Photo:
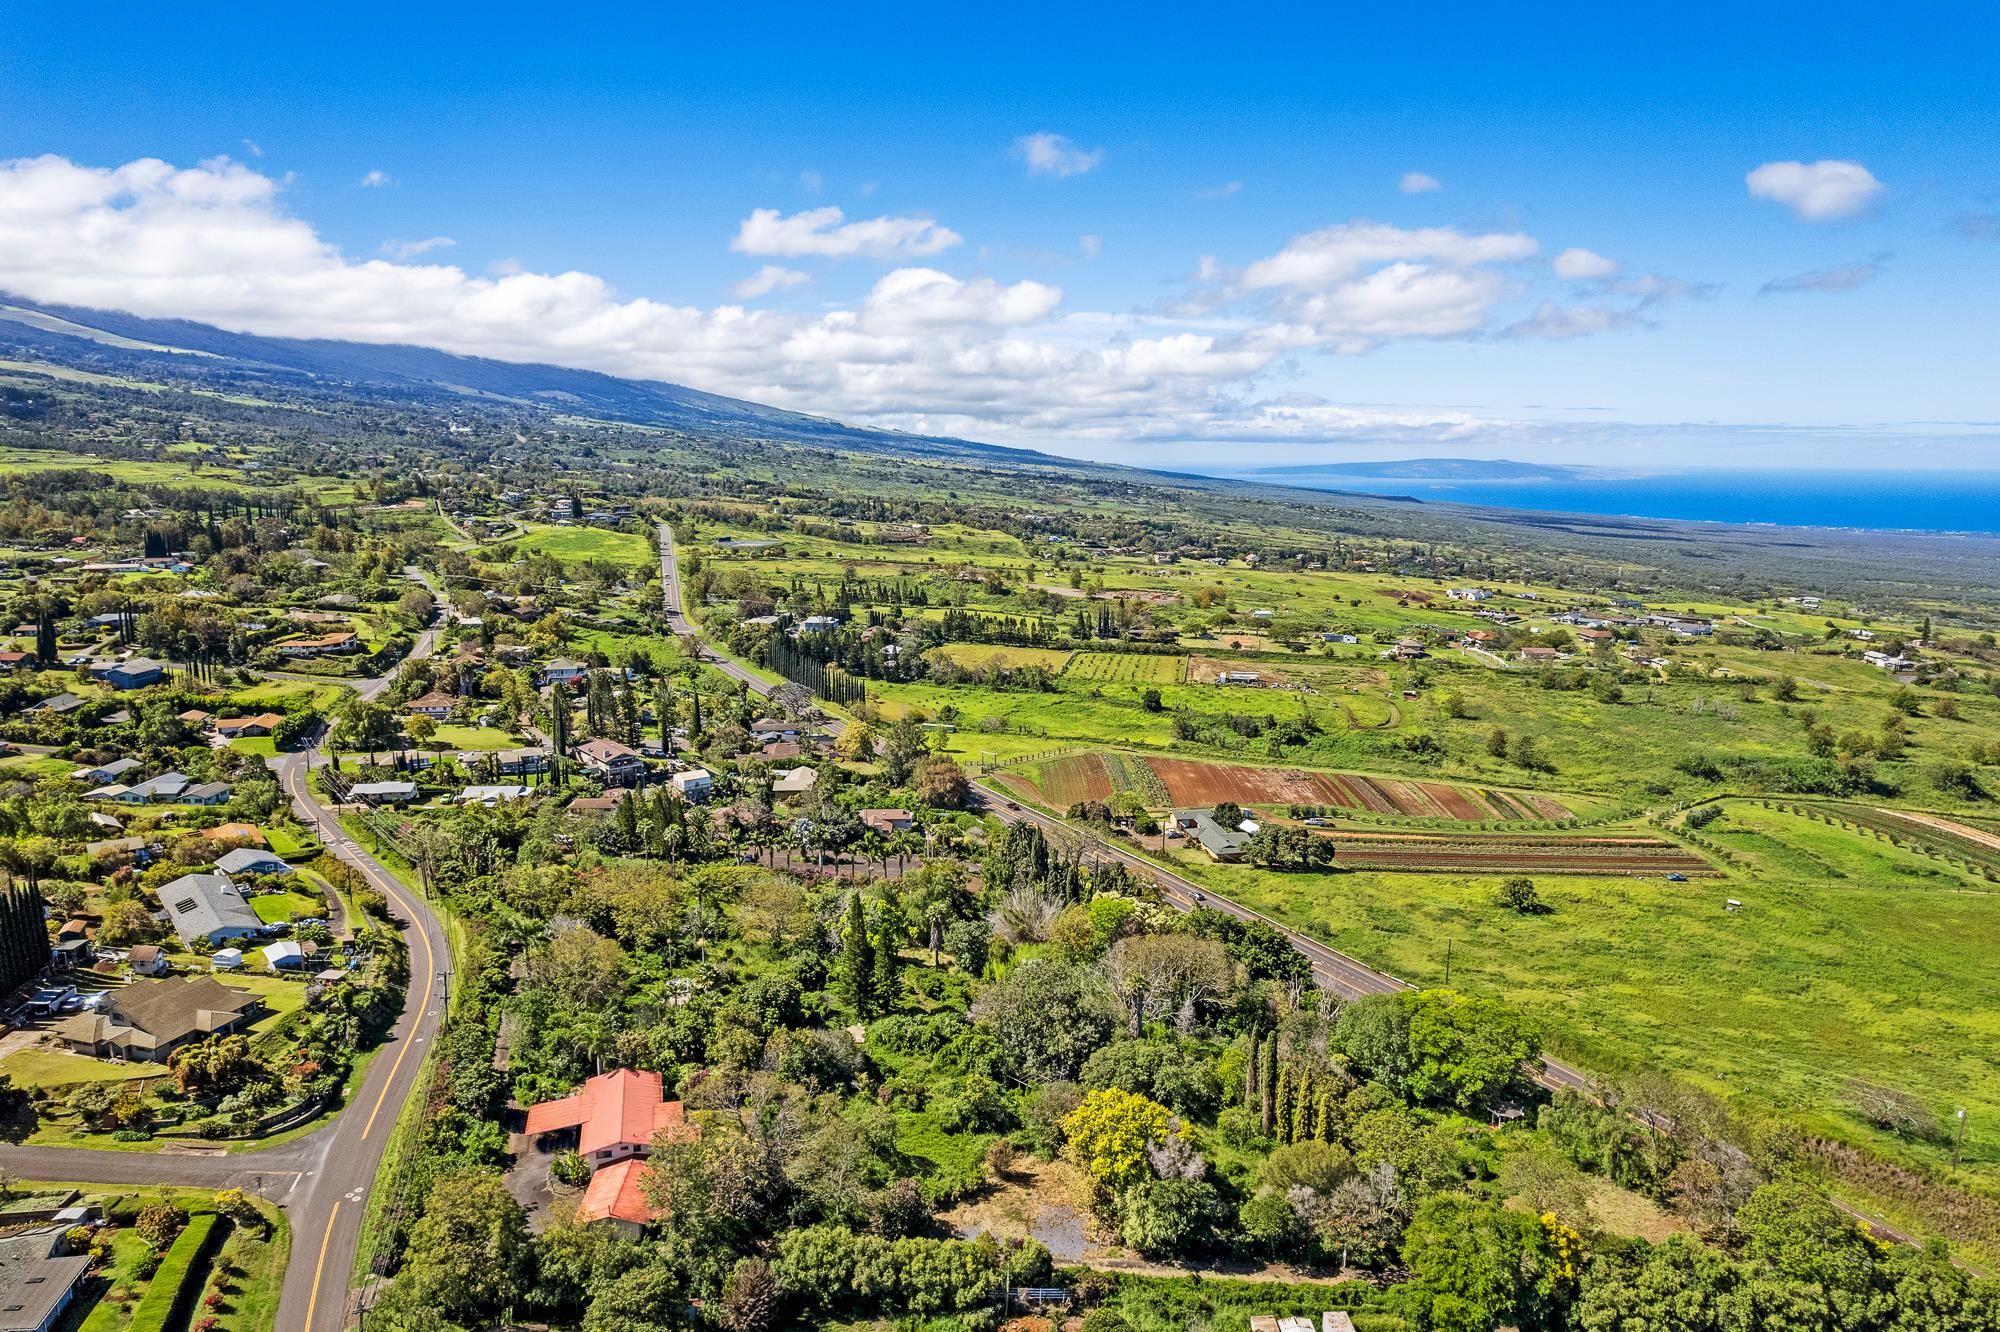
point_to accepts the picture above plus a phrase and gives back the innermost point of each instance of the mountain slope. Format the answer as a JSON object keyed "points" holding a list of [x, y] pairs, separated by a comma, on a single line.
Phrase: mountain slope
{"points": [[424, 374]]}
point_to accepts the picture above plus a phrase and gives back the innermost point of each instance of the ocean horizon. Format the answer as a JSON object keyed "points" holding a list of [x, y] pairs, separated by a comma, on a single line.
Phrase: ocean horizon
{"points": [[1925, 501]]}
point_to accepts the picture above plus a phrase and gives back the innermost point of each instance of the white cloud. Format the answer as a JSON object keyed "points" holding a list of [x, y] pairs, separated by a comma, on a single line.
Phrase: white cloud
{"points": [[251, 147], [1816, 191], [921, 350], [1335, 254], [825, 233], [1090, 245], [811, 181], [769, 278], [410, 249], [1419, 182], [1049, 154], [1226, 190], [1841, 277], [1577, 264], [376, 179]]}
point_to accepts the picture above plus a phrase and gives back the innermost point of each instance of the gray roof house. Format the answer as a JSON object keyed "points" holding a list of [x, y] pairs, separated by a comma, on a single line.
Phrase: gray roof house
{"points": [[1221, 843], [35, 1286], [208, 906], [252, 860], [165, 788], [105, 773]]}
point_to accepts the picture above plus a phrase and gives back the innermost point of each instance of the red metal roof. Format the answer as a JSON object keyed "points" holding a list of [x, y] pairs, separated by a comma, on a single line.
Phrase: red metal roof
{"points": [[616, 1194], [621, 1107]]}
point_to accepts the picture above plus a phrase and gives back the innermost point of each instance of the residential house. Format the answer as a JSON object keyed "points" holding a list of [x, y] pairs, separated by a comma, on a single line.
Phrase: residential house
{"points": [[436, 705], [511, 762], [37, 1286], [615, 1116], [1595, 637], [695, 785], [1333, 637], [1886, 661], [491, 795], [234, 728], [165, 789], [612, 763], [196, 718], [136, 673], [252, 860], [819, 624], [325, 645], [206, 793], [1865, 635], [1409, 649], [148, 960], [60, 704], [1221, 843], [886, 821], [105, 773], [616, 1198], [383, 793], [150, 1019], [561, 673], [1540, 655], [1481, 638], [13, 661], [771, 728], [1469, 593], [796, 782], [208, 906]]}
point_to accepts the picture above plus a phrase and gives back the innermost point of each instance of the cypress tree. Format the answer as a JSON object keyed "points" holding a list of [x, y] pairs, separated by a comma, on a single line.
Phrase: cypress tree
{"points": [[857, 960]]}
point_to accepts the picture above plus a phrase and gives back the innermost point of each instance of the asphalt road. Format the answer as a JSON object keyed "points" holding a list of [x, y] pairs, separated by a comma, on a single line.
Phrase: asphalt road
{"points": [[321, 1179]]}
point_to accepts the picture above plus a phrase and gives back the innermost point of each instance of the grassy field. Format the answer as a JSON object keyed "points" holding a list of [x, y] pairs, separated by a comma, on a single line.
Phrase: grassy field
{"points": [[1851, 958], [1008, 658], [586, 543]]}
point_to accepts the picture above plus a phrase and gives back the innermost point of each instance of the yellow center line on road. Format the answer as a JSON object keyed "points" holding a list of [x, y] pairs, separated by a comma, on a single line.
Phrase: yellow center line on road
{"points": [[430, 974], [319, 1268]]}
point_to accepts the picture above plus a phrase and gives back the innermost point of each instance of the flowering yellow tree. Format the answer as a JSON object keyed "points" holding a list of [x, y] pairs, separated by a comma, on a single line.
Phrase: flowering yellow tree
{"points": [[1106, 1136]]}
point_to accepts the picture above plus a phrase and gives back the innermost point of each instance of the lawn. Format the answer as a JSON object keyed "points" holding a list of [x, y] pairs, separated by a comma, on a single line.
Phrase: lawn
{"points": [[570, 544], [57, 1068], [1835, 968], [289, 842], [274, 907], [470, 738]]}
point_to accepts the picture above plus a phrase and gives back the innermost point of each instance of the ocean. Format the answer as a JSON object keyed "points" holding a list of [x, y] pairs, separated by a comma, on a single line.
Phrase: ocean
{"points": [[1918, 501]]}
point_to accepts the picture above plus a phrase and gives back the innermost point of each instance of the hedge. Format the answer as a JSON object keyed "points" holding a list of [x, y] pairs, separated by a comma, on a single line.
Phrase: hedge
{"points": [[168, 1298]]}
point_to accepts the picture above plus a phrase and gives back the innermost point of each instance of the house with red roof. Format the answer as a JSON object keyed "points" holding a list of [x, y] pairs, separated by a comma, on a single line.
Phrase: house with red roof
{"points": [[615, 1115], [617, 1198]]}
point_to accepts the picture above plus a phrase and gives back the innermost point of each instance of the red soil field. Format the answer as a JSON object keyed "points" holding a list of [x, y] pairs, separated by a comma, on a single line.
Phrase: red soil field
{"points": [[1192, 783]]}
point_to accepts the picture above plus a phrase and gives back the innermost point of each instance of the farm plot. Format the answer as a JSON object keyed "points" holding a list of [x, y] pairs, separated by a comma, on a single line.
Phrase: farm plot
{"points": [[1192, 783], [1941, 835], [1414, 854], [1126, 668], [1073, 778]]}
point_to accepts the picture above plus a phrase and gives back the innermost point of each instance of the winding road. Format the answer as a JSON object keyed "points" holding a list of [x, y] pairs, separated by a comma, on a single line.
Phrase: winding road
{"points": [[321, 1179]]}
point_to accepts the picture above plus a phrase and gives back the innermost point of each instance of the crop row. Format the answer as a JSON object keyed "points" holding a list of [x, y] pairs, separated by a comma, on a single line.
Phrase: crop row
{"points": [[1548, 858], [1127, 667], [1941, 837]]}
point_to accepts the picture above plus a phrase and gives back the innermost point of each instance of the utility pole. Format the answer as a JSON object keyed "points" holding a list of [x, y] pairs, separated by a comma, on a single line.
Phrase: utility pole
{"points": [[1447, 964], [1958, 1139]]}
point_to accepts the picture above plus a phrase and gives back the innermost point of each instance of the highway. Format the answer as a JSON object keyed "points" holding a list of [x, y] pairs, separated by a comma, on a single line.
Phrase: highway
{"points": [[321, 1179]]}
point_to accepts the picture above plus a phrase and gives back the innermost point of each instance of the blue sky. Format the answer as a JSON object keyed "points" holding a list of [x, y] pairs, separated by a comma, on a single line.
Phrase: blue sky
{"points": [[1217, 252]]}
